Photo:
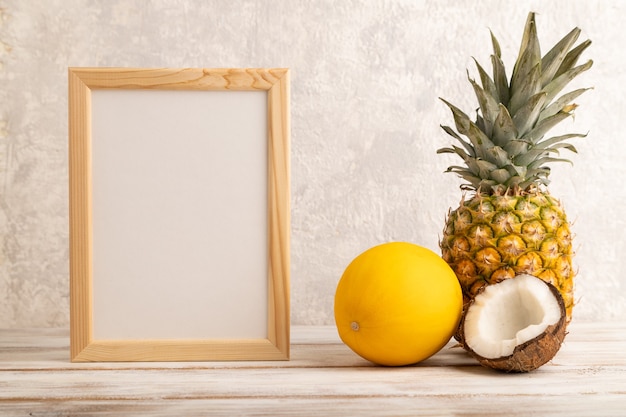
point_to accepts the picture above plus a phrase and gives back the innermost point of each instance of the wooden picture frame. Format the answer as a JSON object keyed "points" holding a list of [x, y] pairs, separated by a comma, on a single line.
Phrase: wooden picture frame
{"points": [[136, 292]]}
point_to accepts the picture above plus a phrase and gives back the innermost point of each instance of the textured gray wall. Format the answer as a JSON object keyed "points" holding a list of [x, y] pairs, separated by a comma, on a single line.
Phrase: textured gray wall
{"points": [[365, 125]]}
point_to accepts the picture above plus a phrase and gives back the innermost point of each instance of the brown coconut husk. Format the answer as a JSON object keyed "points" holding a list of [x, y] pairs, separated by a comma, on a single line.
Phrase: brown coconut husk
{"points": [[531, 354]]}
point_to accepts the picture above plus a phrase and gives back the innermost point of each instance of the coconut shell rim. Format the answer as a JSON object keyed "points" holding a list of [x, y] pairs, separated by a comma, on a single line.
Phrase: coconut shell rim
{"points": [[553, 335]]}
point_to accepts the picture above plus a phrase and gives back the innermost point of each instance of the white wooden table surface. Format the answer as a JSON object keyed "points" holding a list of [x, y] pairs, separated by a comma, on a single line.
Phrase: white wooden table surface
{"points": [[323, 378]]}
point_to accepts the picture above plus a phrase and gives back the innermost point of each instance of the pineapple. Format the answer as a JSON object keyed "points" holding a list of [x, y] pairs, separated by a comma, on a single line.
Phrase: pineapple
{"points": [[510, 224]]}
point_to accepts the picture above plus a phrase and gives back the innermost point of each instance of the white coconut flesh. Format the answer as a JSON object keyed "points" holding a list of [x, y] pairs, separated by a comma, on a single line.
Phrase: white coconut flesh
{"points": [[508, 314]]}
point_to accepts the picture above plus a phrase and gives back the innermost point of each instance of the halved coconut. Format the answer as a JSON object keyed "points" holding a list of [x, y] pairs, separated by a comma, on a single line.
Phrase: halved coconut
{"points": [[516, 325]]}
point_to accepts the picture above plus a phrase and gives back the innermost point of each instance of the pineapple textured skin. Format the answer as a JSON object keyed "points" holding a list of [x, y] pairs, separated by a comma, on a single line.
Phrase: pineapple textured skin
{"points": [[491, 238]]}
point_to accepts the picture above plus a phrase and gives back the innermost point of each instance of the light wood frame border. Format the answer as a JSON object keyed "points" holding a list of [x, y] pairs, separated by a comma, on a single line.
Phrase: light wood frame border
{"points": [[83, 347]]}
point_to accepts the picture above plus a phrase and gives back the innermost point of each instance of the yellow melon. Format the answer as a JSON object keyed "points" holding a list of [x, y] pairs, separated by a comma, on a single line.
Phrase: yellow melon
{"points": [[397, 304]]}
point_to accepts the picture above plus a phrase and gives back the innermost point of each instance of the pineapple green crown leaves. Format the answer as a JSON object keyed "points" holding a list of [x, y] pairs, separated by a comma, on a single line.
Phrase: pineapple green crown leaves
{"points": [[505, 149]]}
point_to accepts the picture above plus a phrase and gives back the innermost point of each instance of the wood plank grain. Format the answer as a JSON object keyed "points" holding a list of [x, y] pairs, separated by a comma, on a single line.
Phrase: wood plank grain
{"points": [[80, 212], [324, 377], [435, 386], [279, 209], [181, 78], [597, 405]]}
